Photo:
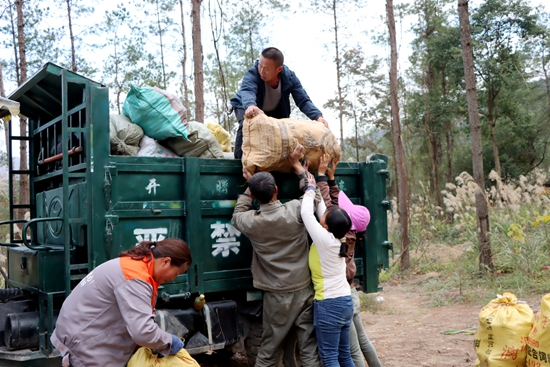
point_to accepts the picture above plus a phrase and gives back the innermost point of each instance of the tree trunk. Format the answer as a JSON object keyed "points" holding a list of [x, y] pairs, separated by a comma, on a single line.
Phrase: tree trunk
{"points": [[197, 60], [449, 141], [14, 35], [338, 77], [2, 90], [546, 78], [222, 118], [448, 137], [250, 43], [21, 41], [73, 53], [485, 255], [356, 134], [432, 151], [161, 48], [402, 178], [492, 125], [117, 83], [24, 195], [435, 170], [495, 148], [547, 81], [184, 64], [5, 122]]}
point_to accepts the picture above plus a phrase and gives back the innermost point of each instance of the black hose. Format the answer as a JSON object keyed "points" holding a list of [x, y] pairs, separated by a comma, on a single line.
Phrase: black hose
{"points": [[10, 293]]}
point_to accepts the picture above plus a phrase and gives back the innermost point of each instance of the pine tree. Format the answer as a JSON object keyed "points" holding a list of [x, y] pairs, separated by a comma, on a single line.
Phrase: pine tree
{"points": [[399, 150]]}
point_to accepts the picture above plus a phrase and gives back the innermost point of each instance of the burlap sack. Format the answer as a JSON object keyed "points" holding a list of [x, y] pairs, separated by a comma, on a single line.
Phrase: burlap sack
{"points": [[201, 143], [124, 136], [267, 142]]}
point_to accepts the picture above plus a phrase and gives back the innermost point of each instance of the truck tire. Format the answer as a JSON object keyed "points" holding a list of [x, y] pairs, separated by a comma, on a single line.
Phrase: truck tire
{"points": [[253, 341], [291, 352]]}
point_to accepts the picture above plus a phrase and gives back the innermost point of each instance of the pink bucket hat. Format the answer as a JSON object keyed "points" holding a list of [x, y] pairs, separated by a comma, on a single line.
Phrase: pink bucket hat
{"points": [[360, 216]]}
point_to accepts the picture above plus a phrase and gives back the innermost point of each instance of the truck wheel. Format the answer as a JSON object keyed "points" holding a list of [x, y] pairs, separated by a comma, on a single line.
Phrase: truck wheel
{"points": [[291, 352], [253, 341]]}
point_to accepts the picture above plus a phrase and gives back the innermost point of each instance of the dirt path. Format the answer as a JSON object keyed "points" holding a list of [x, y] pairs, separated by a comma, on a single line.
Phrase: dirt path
{"points": [[407, 330]]}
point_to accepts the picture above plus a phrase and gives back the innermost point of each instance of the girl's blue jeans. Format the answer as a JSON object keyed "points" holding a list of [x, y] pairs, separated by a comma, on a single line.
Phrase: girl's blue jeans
{"points": [[332, 318]]}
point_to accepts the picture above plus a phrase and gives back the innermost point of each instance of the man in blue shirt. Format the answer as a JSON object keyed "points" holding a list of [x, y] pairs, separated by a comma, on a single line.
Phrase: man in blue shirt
{"points": [[267, 87]]}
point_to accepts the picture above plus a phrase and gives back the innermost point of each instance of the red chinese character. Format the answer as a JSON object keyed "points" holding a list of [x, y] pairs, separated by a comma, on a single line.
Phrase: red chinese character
{"points": [[509, 353], [524, 342]]}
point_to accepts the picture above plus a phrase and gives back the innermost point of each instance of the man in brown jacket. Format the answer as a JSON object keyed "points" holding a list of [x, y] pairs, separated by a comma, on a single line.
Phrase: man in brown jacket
{"points": [[279, 268]]}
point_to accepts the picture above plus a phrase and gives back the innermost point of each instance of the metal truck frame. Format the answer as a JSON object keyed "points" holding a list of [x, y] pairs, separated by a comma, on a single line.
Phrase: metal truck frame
{"points": [[87, 205]]}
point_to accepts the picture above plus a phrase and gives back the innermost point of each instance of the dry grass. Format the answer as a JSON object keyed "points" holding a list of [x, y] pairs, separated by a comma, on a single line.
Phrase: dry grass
{"points": [[444, 240]]}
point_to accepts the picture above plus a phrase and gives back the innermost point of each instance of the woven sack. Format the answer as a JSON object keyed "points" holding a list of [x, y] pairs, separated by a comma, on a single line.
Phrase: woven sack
{"points": [[504, 325], [124, 136], [160, 114], [268, 141], [150, 148], [538, 343], [201, 143], [144, 357], [222, 135]]}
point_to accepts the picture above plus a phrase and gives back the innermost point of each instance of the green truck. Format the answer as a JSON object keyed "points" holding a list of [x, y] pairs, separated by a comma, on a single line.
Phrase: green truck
{"points": [[87, 206]]}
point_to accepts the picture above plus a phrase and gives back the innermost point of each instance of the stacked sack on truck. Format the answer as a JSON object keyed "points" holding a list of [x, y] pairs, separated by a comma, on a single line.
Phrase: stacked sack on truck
{"points": [[124, 136], [222, 135], [200, 143], [158, 118], [268, 141]]}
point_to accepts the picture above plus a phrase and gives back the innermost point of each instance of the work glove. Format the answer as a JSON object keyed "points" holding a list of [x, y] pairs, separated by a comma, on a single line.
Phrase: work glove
{"points": [[177, 345]]}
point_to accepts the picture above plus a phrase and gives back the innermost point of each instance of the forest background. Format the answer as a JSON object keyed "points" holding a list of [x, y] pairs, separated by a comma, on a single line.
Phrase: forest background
{"points": [[340, 50]]}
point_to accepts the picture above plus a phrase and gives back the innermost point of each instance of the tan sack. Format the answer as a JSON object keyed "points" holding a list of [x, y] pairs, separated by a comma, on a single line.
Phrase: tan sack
{"points": [[202, 143], [124, 136], [222, 135], [267, 142]]}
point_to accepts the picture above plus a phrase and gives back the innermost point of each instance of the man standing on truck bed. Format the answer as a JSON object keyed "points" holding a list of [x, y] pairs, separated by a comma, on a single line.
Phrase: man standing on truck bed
{"points": [[279, 268], [267, 87]]}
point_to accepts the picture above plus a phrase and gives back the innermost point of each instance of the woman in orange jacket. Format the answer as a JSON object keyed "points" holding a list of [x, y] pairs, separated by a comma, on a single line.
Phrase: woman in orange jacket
{"points": [[111, 311]]}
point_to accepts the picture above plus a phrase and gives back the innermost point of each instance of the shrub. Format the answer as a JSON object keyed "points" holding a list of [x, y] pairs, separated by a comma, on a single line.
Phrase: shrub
{"points": [[519, 235]]}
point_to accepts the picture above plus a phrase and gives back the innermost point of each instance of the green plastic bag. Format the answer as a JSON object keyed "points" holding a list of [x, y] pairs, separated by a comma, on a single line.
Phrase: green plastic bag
{"points": [[161, 115]]}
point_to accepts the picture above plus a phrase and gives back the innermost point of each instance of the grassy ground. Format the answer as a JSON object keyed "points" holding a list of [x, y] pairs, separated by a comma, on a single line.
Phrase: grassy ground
{"points": [[444, 242]]}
